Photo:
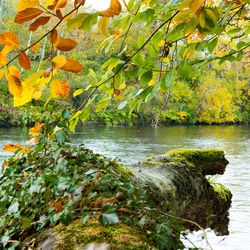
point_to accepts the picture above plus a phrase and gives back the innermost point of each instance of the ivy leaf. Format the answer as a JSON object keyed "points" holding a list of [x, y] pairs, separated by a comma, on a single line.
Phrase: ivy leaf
{"points": [[106, 218], [13, 208], [26, 223]]}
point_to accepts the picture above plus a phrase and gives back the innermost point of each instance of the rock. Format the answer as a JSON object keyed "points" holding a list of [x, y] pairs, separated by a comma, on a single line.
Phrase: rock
{"points": [[179, 186]]}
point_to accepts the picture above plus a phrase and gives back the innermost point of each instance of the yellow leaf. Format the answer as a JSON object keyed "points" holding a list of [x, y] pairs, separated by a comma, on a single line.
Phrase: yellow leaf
{"points": [[196, 5], [161, 43], [185, 4], [59, 88], [103, 24], [35, 130], [7, 49], [1, 73], [3, 59], [183, 16], [15, 85], [37, 93], [13, 70], [151, 83], [26, 96], [123, 86], [24, 4], [78, 92], [202, 20], [58, 61], [114, 9]]}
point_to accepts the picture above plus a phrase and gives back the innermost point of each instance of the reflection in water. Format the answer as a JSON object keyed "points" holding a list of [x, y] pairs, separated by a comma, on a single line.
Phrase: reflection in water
{"points": [[134, 144]]}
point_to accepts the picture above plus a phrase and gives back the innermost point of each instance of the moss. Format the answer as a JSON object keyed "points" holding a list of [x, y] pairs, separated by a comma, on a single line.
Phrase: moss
{"points": [[208, 161], [77, 235], [122, 170], [222, 191]]}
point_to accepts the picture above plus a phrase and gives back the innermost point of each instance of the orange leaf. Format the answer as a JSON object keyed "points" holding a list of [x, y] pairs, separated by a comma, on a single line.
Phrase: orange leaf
{"points": [[66, 44], [72, 66], [58, 206], [27, 15], [59, 14], [61, 4], [101, 202], [13, 70], [35, 130], [25, 174], [38, 22], [82, 2], [6, 163], [9, 39], [53, 36], [35, 47], [196, 6], [24, 4], [117, 92], [117, 33], [59, 88], [12, 147], [114, 9], [47, 73], [58, 61], [24, 60], [3, 59]]}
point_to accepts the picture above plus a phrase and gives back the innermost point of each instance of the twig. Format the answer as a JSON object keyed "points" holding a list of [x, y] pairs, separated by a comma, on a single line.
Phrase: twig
{"points": [[189, 221], [9, 241]]}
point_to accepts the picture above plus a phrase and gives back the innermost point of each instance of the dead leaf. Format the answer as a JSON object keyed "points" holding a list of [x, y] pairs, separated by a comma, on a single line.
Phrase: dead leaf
{"points": [[27, 15], [24, 61]]}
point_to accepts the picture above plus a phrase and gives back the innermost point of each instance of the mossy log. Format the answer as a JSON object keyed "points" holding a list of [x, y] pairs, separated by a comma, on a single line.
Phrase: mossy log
{"points": [[92, 235], [178, 183]]}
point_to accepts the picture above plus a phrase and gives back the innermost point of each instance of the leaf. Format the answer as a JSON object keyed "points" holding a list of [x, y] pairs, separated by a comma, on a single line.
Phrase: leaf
{"points": [[59, 14], [26, 223], [239, 55], [212, 45], [186, 70], [1, 73], [3, 59], [196, 5], [58, 61], [9, 39], [114, 9], [38, 22], [76, 22], [78, 92], [59, 88], [24, 60], [13, 208], [177, 32], [58, 206], [84, 116], [89, 21], [202, 20], [35, 130], [122, 105], [146, 77], [12, 147], [85, 218], [24, 4], [13, 70], [53, 36], [27, 15], [103, 24], [116, 92], [66, 44], [15, 86], [72, 66], [105, 219], [61, 4], [35, 47], [169, 79]]}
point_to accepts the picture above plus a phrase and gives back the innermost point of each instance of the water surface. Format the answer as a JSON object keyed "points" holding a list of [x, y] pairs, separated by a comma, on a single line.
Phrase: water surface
{"points": [[131, 145]]}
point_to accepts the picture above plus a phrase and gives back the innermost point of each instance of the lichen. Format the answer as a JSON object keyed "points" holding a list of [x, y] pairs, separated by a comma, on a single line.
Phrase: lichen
{"points": [[118, 236]]}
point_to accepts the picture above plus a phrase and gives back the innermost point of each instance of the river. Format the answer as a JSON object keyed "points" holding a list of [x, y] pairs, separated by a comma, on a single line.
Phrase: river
{"points": [[133, 144]]}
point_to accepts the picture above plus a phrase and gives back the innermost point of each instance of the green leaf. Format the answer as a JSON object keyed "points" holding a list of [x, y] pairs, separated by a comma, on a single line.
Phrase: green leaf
{"points": [[241, 45], [178, 32], [146, 92], [84, 116], [146, 77], [122, 105], [89, 21], [103, 103], [76, 21], [13, 208], [85, 218], [212, 45], [186, 70], [111, 63], [61, 137], [26, 223], [169, 79], [239, 55], [105, 219]]}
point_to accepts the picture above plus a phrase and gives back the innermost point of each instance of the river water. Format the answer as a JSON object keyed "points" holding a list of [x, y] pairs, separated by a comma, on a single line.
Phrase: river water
{"points": [[133, 144]]}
